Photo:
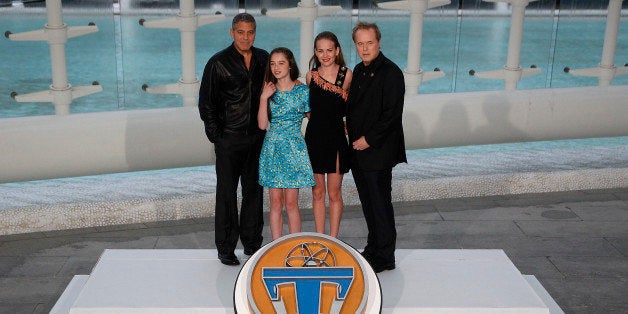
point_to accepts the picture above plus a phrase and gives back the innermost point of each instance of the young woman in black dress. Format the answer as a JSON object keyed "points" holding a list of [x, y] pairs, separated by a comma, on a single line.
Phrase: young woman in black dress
{"points": [[329, 80]]}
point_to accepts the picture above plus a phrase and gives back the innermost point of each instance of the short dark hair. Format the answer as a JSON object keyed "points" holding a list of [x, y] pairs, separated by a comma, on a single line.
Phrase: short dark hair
{"points": [[367, 26], [292, 63], [242, 17]]}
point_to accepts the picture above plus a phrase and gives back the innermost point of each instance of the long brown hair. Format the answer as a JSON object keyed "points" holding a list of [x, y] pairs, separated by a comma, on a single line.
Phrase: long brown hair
{"points": [[340, 60], [292, 63]]}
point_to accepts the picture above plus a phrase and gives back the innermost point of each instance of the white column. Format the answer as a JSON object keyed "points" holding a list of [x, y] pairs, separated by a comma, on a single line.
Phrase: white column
{"points": [[413, 74], [307, 11], [512, 72], [309, 14], [56, 33], [187, 21], [188, 53], [514, 44], [606, 70], [610, 42]]}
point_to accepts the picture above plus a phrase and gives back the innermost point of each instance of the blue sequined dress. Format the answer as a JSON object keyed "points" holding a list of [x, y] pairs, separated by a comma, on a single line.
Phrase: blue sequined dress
{"points": [[284, 161]]}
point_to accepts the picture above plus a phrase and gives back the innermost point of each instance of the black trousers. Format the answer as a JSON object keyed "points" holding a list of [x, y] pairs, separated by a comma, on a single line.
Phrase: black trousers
{"points": [[374, 190], [237, 160]]}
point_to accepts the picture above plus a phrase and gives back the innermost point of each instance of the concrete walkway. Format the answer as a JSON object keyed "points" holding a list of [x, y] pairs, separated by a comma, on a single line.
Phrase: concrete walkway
{"points": [[575, 243]]}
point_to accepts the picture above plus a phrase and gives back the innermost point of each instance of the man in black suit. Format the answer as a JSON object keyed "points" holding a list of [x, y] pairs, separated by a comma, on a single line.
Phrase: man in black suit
{"points": [[374, 111]]}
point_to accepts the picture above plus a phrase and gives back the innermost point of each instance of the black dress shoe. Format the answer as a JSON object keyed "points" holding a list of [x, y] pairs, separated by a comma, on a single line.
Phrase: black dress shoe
{"points": [[367, 256], [250, 251], [378, 268], [229, 259]]}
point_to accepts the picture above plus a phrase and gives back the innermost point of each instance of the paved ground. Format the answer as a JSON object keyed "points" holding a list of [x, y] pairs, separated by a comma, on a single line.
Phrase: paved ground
{"points": [[575, 243]]}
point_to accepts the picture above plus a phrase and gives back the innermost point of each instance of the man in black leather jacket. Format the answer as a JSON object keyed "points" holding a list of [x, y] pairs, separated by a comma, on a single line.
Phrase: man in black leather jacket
{"points": [[228, 104]]}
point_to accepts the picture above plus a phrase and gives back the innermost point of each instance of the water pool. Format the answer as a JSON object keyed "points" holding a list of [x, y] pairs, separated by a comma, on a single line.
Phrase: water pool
{"points": [[124, 55]]}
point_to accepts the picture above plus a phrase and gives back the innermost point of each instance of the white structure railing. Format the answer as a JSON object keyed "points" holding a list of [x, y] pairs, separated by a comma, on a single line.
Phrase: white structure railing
{"points": [[56, 33], [187, 21], [606, 70], [413, 74], [307, 11], [512, 72]]}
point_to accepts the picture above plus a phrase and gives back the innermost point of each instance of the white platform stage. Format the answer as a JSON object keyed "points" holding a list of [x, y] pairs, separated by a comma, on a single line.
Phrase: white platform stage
{"points": [[194, 281]]}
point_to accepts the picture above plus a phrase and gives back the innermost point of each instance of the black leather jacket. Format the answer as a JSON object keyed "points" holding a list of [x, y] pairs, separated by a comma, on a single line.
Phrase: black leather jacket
{"points": [[228, 98]]}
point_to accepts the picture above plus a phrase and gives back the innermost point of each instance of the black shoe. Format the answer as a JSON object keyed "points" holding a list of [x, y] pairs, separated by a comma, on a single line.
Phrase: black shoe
{"points": [[250, 251], [377, 267], [381, 267], [367, 256], [229, 259]]}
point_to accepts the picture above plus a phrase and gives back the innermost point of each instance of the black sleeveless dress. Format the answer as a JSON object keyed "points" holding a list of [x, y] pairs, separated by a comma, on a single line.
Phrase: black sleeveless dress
{"points": [[325, 133]]}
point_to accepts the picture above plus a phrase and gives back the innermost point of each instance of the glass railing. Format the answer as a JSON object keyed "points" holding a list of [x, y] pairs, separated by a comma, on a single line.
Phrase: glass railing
{"points": [[458, 39]]}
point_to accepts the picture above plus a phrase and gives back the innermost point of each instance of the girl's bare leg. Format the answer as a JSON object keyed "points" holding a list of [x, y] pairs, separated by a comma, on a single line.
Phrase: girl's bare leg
{"points": [[275, 216], [336, 204], [318, 202], [292, 209]]}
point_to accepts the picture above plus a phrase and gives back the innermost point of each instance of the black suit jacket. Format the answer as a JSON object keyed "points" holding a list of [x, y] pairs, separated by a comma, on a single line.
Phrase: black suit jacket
{"points": [[374, 110]]}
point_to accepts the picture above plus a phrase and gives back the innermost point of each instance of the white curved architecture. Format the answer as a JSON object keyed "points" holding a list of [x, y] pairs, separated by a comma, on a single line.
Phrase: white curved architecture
{"points": [[119, 141]]}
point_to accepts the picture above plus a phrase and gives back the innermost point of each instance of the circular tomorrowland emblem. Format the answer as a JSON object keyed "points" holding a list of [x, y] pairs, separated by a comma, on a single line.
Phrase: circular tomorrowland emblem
{"points": [[307, 273]]}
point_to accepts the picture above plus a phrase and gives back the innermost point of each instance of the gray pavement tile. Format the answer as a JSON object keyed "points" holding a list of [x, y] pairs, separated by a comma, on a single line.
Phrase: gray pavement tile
{"points": [[150, 232], [349, 213], [586, 266], [427, 212], [17, 308], [181, 222], [409, 243], [487, 228], [32, 246], [78, 265], [21, 236], [622, 195], [198, 240], [588, 295], [537, 246], [538, 266], [609, 309], [555, 198], [74, 246], [355, 242], [574, 228], [356, 227], [17, 290], [600, 211], [69, 232], [121, 227], [530, 199], [44, 308], [541, 212], [621, 244], [36, 266], [7, 263], [204, 220], [583, 196], [458, 204], [605, 191]]}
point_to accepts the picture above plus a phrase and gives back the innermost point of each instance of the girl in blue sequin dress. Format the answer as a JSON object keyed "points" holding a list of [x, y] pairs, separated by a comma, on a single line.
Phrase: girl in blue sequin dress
{"points": [[284, 165]]}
